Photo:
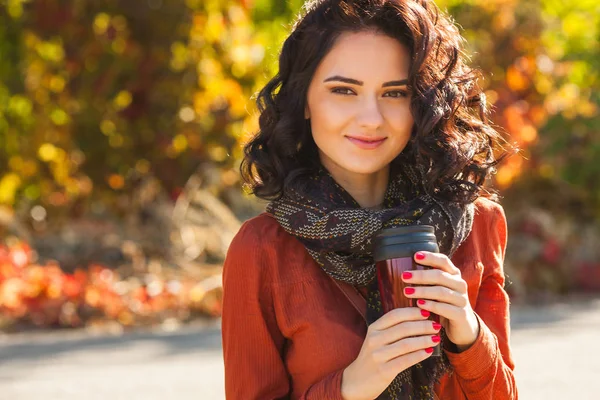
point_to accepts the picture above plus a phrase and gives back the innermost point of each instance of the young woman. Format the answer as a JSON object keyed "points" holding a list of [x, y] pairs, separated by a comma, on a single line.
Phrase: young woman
{"points": [[369, 124]]}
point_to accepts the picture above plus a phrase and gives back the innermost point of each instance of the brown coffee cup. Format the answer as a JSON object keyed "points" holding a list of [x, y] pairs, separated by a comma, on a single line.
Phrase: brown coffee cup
{"points": [[394, 251]]}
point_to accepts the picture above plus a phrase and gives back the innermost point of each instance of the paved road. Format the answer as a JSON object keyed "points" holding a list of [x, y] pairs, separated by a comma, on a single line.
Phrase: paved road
{"points": [[556, 352]]}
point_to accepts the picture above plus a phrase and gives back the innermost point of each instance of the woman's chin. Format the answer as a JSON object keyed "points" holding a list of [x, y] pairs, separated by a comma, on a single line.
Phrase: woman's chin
{"points": [[363, 169]]}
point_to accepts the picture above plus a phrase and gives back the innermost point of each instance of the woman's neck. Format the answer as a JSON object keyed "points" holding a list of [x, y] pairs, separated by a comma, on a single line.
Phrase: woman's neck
{"points": [[367, 189]]}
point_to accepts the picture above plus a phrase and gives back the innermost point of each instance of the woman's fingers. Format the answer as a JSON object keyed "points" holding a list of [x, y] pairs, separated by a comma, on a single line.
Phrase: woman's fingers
{"points": [[448, 311], [436, 260], [405, 346], [406, 330], [435, 277], [445, 283], [400, 364], [440, 293], [396, 316]]}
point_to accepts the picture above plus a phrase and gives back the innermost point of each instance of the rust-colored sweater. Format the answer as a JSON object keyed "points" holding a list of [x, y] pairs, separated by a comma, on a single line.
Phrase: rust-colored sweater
{"points": [[289, 331]]}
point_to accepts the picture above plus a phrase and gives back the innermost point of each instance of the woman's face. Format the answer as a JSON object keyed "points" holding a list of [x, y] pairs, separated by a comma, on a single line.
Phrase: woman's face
{"points": [[359, 92]]}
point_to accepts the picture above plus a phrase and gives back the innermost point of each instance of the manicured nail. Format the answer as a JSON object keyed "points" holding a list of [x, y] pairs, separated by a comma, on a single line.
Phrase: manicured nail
{"points": [[426, 314], [406, 275], [436, 326], [421, 302], [435, 339], [429, 350], [420, 256], [409, 290]]}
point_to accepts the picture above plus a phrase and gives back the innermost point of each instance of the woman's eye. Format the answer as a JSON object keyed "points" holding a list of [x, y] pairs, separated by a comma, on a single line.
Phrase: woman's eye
{"points": [[348, 91], [342, 90], [397, 93]]}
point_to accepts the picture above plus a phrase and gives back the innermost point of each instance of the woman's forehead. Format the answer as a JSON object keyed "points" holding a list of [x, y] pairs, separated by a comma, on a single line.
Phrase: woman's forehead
{"points": [[366, 56]]}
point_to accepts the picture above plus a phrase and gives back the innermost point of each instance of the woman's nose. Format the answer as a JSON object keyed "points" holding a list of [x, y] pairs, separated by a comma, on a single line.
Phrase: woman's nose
{"points": [[369, 115]]}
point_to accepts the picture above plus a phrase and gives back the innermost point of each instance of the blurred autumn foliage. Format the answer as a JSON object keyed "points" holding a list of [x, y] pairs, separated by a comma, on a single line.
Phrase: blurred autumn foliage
{"points": [[541, 60], [46, 296], [96, 93], [96, 97]]}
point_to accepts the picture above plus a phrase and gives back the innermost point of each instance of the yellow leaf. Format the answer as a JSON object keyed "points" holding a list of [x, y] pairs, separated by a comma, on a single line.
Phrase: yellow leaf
{"points": [[15, 9], [180, 143], [51, 51], [218, 153], [72, 186], [9, 184], [215, 27], [59, 117], [107, 127], [123, 99], [60, 172], [101, 23], [119, 45], [47, 152], [57, 84], [20, 106]]}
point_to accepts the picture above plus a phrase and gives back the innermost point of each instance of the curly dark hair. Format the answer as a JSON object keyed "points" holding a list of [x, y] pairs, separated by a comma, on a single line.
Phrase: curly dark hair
{"points": [[451, 137]]}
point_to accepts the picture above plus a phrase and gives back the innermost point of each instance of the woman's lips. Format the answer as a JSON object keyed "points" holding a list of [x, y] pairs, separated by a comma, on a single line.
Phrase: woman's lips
{"points": [[366, 144]]}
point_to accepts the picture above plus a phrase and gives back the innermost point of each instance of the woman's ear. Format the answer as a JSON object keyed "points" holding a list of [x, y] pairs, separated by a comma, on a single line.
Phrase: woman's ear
{"points": [[306, 112]]}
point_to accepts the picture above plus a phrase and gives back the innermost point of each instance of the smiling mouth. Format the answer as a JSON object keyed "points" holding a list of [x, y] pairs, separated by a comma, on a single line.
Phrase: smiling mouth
{"points": [[367, 140], [366, 143]]}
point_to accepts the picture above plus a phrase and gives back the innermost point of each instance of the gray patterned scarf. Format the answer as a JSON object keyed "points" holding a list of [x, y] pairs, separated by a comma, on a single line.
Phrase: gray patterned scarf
{"points": [[337, 233]]}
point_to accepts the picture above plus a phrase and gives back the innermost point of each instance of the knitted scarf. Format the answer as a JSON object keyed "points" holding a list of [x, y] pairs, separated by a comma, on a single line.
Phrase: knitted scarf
{"points": [[337, 233]]}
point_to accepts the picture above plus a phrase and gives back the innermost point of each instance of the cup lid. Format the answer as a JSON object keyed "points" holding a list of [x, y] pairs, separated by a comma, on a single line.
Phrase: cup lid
{"points": [[404, 234]]}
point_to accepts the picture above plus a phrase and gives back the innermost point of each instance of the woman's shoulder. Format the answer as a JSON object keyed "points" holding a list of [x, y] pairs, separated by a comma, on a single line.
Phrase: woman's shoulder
{"points": [[251, 249], [488, 234], [488, 212], [259, 231], [263, 240], [262, 248]]}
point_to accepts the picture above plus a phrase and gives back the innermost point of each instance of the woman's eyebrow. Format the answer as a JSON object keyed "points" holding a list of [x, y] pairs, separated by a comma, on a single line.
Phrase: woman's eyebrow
{"points": [[351, 81]]}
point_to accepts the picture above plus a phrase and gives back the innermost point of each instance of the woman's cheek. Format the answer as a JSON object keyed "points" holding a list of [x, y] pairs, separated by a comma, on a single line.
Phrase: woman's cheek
{"points": [[403, 125], [333, 115]]}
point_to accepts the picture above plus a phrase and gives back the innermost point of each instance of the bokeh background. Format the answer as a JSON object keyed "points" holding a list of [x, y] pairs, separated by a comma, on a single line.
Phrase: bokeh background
{"points": [[121, 125]]}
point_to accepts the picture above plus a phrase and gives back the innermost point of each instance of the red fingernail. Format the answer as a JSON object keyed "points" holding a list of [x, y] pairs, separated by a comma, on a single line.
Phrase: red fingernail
{"points": [[421, 302], [420, 256], [425, 313], [437, 326], [429, 350], [409, 290], [435, 339], [406, 275]]}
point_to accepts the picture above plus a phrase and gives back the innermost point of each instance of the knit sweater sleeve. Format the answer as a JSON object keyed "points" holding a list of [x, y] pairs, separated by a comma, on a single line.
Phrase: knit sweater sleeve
{"points": [[485, 370], [253, 345]]}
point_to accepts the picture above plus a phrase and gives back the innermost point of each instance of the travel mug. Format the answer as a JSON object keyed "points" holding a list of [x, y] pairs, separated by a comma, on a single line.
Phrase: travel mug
{"points": [[393, 251]]}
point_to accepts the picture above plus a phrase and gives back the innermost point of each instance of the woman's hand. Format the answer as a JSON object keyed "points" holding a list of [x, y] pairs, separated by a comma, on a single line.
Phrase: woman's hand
{"points": [[447, 297], [398, 340]]}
